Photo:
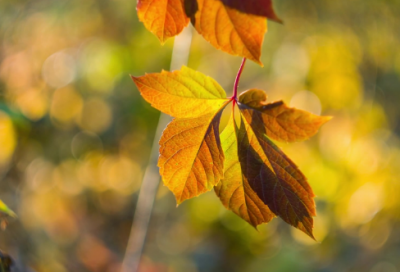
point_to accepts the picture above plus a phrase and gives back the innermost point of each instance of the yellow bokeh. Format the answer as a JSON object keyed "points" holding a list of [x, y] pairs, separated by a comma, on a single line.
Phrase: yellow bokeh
{"points": [[96, 115], [8, 139], [66, 106]]}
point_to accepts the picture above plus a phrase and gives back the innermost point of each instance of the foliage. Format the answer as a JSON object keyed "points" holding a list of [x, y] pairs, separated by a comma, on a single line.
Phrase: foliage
{"points": [[236, 27], [252, 176], [73, 132]]}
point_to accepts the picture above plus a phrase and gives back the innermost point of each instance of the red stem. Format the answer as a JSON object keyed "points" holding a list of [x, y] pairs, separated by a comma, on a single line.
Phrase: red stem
{"points": [[235, 87]]}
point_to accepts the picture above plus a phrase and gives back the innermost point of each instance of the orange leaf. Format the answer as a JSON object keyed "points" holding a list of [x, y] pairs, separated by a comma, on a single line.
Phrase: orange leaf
{"points": [[230, 30], [164, 18], [277, 120], [191, 158], [183, 94], [275, 178], [234, 190]]}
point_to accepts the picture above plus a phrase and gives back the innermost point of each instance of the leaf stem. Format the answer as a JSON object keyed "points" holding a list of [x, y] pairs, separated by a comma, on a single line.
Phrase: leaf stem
{"points": [[235, 87]]}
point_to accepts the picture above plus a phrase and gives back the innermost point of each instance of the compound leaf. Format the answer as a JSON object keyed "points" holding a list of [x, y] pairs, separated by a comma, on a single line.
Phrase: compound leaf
{"points": [[277, 120], [164, 18]]}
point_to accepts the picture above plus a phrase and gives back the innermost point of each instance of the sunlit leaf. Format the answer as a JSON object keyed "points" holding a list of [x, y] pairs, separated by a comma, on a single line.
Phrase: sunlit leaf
{"points": [[230, 30], [191, 158], [183, 94], [164, 18], [277, 120], [276, 179], [234, 190]]}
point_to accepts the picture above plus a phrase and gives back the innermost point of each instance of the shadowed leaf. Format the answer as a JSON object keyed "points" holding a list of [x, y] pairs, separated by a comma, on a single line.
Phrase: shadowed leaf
{"points": [[230, 30], [276, 179], [277, 120], [164, 18], [182, 94], [256, 7], [234, 190], [191, 157]]}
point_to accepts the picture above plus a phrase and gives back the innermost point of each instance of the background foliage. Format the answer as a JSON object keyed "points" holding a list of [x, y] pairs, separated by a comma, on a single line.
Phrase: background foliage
{"points": [[75, 138]]}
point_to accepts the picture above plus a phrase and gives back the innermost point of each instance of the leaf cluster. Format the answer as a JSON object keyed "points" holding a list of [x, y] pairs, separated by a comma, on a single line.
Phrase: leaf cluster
{"points": [[236, 27], [249, 173]]}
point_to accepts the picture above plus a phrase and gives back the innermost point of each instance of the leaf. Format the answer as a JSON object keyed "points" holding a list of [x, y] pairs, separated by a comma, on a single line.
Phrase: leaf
{"points": [[256, 7], [191, 157], [164, 18], [230, 30], [276, 179], [234, 190], [5, 210], [277, 120], [182, 94]]}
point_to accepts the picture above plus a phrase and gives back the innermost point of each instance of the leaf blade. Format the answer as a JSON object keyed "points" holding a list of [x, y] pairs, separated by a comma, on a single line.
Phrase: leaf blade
{"points": [[234, 189], [277, 120], [256, 7], [183, 94], [164, 18], [276, 179], [191, 156], [230, 30]]}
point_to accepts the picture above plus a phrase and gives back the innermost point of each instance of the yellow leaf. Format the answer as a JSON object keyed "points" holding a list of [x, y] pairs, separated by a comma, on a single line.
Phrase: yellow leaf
{"points": [[191, 157], [182, 94]]}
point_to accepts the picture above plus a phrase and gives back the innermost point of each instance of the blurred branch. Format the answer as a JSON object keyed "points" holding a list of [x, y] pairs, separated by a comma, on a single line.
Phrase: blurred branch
{"points": [[151, 177]]}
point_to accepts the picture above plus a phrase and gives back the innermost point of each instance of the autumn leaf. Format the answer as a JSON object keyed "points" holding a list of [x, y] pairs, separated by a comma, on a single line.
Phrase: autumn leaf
{"points": [[234, 26], [262, 8], [276, 120], [183, 94], [234, 190], [276, 179], [191, 158], [231, 30], [164, 18]]}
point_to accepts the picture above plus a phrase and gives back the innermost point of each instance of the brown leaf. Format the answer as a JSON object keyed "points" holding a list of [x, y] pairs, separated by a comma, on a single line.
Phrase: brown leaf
{"points": [[234, 190], [256, 7], [191, 157], [276, 179], [277, 120], [164, 18]]}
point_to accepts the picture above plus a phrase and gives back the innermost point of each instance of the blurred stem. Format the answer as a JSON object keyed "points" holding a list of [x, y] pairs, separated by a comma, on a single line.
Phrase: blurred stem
{"points": [[151, 179]]}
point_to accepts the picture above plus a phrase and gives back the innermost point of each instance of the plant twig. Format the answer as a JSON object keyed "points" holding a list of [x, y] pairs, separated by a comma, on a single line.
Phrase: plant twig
{"points": [[151, 177]]}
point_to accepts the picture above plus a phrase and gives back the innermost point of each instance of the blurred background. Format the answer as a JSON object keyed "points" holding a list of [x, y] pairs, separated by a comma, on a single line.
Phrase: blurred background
{"points": [[76, 137]]}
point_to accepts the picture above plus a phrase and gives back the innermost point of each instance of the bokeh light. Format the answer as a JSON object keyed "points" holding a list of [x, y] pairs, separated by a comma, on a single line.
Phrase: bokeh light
{"points": [[76, 137]]}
